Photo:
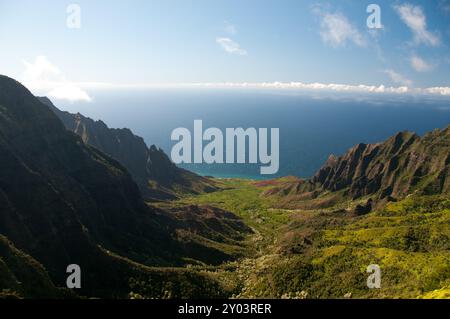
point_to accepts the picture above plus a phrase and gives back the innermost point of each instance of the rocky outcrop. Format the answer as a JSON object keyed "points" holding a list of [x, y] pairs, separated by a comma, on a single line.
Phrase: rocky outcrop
{"points": [[403, 164]]}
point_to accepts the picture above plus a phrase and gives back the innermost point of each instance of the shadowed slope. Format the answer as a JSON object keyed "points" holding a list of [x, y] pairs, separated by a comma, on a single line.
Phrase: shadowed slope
{"points": [[157, 177]]}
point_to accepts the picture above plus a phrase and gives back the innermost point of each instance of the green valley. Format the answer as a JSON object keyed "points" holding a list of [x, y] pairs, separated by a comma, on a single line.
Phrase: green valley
{"points": [[324, 253]]}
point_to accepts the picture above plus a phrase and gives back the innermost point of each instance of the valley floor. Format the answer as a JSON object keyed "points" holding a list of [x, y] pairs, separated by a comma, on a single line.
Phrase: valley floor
{"points": [[324, 253]]}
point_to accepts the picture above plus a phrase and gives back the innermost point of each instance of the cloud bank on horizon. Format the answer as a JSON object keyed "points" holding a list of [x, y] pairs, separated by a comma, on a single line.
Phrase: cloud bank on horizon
{"points": [[44, 78]]}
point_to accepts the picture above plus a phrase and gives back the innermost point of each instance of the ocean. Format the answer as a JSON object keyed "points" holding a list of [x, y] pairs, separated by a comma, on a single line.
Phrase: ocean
{"points": [[312, 126]]}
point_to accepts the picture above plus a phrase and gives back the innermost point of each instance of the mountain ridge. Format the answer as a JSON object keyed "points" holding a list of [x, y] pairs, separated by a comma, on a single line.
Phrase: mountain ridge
{"points": [[59, 198], [393, 167], [157, 176], [401, 165]]}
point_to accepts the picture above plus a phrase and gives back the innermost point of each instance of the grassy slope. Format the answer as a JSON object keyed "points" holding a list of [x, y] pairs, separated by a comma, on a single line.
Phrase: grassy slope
{"points": [[243, 198], [324, 254]]}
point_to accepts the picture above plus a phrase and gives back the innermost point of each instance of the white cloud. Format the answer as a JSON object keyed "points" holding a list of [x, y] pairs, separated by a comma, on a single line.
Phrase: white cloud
{"points": [[70, 93], [419, 64], [336, 30], [441, 90], [230, 46], [330, 87], [296, 86], [416, 20], [40, 70], [44, 78], [398, 78], [361, 88]]}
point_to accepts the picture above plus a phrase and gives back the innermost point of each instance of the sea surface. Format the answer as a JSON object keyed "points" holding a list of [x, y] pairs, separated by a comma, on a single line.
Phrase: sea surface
{"points": [[311, 126]]}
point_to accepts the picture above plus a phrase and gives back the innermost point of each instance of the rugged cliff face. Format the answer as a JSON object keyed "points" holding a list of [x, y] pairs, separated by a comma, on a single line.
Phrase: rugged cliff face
{"points": [[61, 200], [403, 164], [157, 177]]}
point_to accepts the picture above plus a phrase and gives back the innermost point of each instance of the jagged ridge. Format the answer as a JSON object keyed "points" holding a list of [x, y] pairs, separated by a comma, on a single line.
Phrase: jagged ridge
{"points": [[153, 171], [399, 166]]}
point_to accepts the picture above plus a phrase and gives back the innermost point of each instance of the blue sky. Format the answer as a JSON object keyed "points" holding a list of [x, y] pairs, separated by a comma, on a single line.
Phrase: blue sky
{"points": [[204, 41]]}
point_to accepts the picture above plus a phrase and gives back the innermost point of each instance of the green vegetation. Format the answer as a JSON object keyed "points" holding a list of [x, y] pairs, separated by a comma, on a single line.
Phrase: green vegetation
{"points": [[244, 199], [325, 253], [23, 276]]}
